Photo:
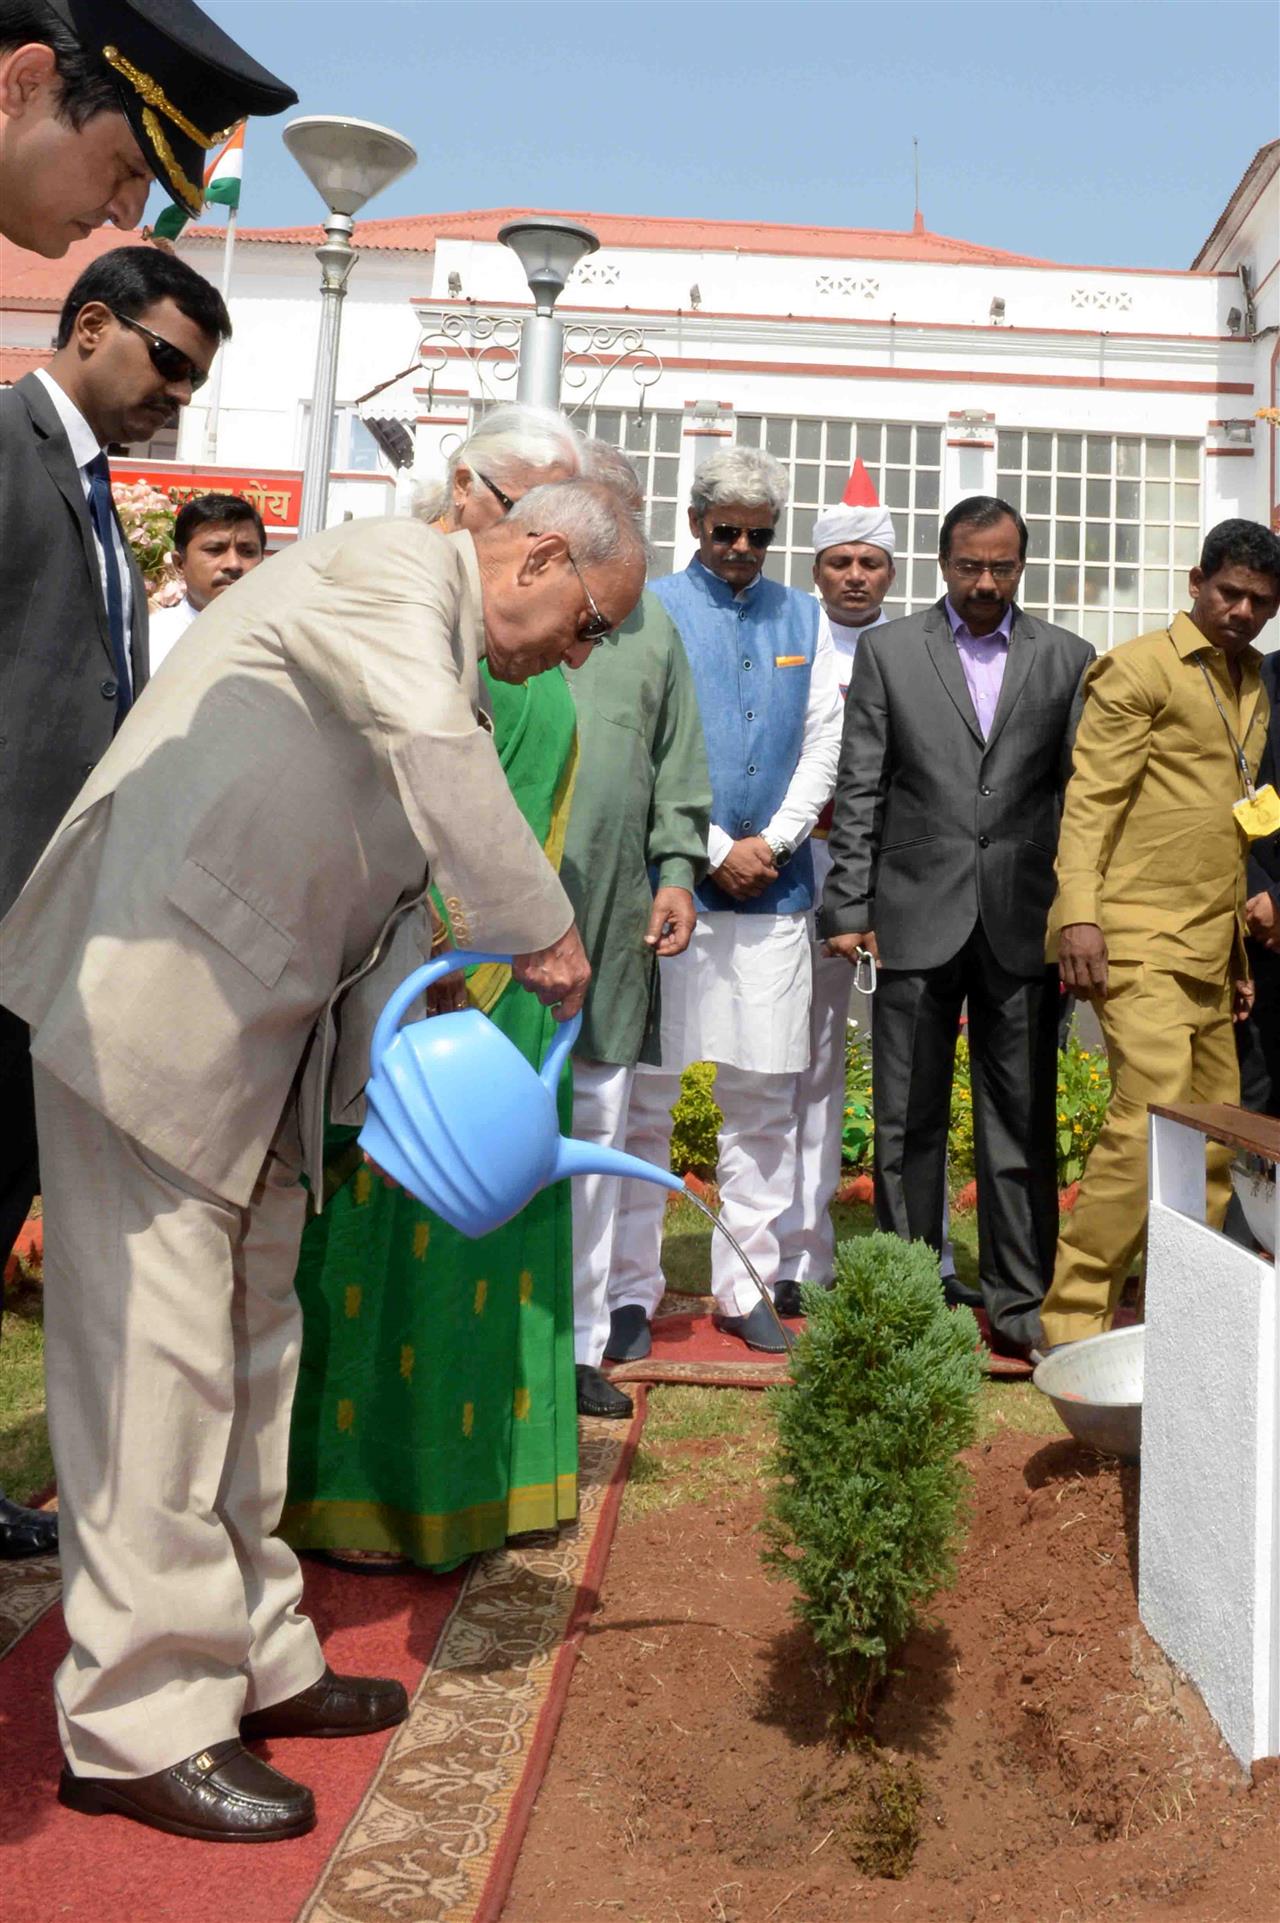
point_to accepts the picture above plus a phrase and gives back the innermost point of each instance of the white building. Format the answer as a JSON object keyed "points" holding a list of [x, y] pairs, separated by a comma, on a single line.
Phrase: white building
{"points": [[1115, 406]]}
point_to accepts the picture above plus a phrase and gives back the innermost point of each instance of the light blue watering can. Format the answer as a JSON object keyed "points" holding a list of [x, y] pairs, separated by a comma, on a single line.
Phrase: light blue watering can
{"points": [[460, 1119]]}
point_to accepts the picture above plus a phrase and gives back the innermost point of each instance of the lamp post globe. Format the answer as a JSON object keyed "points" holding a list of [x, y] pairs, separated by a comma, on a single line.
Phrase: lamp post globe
{"points": [[347, 162], [548, 249]]}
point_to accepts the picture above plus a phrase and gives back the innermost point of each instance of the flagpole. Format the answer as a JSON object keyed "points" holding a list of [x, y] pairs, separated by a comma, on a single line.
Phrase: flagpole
{"points": [[215, 392]]}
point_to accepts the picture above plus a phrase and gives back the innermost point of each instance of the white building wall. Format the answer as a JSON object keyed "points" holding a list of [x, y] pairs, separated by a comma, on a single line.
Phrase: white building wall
{"points": [[1077, 350]]}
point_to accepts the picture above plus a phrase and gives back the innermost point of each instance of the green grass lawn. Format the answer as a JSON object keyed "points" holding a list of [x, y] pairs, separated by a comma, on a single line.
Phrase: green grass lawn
{"points": [[25, 1463], [669, 1468]]}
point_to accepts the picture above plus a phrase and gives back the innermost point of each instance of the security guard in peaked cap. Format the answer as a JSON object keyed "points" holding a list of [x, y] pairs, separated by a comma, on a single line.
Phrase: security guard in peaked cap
{"points": [[184, 86]]}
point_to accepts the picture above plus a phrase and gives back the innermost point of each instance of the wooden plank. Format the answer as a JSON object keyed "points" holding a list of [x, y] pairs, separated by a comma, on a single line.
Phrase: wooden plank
{"points": [[1223, 1122]]}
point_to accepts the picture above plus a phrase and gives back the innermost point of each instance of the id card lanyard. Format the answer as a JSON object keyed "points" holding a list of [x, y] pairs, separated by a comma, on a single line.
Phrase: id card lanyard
{"points": [[1258, 813], [1241, 763]]}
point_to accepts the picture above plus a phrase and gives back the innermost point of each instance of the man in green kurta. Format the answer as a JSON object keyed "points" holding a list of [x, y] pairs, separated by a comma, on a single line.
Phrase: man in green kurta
{"points": [[635, 847]]}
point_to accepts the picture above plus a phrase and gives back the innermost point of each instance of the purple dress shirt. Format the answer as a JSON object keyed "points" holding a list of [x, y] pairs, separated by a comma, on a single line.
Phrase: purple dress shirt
{"points": [[983, 658]]}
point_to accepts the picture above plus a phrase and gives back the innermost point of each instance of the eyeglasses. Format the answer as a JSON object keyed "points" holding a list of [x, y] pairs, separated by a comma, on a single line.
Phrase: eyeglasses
{"points": [[974, 570], [168, 360], [599, 627], [759, 537], [504, 501]]}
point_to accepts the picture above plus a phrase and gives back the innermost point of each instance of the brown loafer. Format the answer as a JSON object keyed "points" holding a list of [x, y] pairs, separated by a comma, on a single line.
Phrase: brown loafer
{"points": [[333, 1706], [220, 1795]]}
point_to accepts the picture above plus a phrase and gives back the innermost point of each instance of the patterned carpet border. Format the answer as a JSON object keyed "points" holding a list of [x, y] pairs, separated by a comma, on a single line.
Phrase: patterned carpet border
{"points": [[437, 1835], [27, 1591]]}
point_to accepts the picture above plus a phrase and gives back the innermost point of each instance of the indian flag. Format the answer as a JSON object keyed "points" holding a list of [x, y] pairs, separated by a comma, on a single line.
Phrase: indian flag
{"points": [[221, 185]]}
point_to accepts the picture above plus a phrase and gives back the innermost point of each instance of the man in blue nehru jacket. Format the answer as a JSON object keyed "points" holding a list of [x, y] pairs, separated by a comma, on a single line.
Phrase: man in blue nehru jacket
{"points": [[769, 695]]}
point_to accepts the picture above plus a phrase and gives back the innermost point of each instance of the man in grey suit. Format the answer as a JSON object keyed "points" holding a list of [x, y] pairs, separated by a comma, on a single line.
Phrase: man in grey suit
{"points": [[956, 752], [136, 336]]}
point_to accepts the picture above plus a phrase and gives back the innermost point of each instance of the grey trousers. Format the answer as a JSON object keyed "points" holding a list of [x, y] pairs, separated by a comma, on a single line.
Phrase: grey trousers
{"points": [[1013, 1056], [171, 1339]]}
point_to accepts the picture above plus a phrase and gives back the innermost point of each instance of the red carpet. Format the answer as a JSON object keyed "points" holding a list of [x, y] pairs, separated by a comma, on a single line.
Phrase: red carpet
{"points": [[106, 1870], [688, 1348]]}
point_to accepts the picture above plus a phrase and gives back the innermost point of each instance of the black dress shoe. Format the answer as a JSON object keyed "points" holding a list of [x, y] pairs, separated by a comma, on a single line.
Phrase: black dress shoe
{"points": [[958, 1295], [333, 1706], [629, 1337], [786, 1298], [758, 1330], [219, 1795], [597, 1395], [26, 1532]]}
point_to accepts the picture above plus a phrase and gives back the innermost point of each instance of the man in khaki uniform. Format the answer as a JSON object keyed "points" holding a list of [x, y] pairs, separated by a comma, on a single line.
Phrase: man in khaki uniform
{"points": [[1150, 903], [188, 954]]}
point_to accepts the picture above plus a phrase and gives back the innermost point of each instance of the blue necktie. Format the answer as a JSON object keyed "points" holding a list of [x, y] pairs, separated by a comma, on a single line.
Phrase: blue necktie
{"points": [[102, 514]]}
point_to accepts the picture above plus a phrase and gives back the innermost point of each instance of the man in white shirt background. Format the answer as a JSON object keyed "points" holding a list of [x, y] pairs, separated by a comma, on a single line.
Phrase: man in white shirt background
{"points": [[217, 538], [853, 570], [137, 334]]}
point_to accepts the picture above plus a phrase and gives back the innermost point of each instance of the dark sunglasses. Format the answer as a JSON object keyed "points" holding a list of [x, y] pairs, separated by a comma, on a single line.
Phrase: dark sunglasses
{"points": [[168, 360], [504, 501], [758, 537]]}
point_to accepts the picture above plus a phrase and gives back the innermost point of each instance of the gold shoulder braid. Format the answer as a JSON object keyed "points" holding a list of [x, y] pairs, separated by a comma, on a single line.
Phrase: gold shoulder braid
{"points": [[154, 95], [150, 91], [193, 197]]}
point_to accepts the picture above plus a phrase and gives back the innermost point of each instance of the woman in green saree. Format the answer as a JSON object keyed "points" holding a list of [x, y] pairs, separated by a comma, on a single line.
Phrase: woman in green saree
{"points": [[436, 1409]]}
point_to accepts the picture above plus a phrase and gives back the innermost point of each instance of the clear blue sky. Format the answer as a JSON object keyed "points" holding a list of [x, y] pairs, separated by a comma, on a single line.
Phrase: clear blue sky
{"points": [[1110, 133]]}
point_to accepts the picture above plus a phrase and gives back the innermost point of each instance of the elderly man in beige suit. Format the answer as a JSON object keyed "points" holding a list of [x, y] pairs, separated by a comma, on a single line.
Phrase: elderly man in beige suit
{"points": [[191, 954]]}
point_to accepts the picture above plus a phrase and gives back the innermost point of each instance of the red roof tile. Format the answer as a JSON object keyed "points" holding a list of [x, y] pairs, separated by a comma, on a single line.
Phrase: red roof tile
{"points": [[17, 361], [418, 233]]}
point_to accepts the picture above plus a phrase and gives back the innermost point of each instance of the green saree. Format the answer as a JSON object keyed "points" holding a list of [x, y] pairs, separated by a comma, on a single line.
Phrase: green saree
{"points": [[436, 1410]]}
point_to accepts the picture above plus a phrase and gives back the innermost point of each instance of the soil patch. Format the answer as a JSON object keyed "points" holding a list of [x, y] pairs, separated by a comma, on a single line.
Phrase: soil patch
{"points": [[1051, 1764]]}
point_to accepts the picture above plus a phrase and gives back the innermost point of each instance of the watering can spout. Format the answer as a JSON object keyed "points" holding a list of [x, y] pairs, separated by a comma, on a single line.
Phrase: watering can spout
{"points": [[591, 1158]]}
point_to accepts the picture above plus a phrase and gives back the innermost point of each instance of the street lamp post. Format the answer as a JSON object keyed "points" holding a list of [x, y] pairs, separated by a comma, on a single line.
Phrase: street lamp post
{"points": [[548, 250], [347, 162]]}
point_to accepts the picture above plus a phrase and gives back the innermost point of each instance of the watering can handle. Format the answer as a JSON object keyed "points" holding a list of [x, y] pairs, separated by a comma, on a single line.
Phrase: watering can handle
{"points": [[434, 971]]}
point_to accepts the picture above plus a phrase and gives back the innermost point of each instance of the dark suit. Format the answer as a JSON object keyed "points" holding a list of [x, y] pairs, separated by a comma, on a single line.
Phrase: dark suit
{"points": [[1258, 1039], [944, 844], [57, 701]]}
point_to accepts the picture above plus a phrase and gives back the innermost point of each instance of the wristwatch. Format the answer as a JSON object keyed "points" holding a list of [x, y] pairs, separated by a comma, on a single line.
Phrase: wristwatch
{"points": [[781, 850]]}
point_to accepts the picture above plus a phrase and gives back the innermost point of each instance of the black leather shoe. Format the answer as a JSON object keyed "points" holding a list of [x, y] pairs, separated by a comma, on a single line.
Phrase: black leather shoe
{"points": [[629, 1337], [958, 1295], [597, 1395], [333, 1706], [758, 1330], [786, 1298], [219, 1795], [26, 1532]]}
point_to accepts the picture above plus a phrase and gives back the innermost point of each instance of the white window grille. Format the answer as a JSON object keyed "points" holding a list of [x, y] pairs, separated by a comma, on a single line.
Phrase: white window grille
{"points": [[851, 286], [904, 462], [1108, 299], [594, 273], [650, 438], [1113, 523]]}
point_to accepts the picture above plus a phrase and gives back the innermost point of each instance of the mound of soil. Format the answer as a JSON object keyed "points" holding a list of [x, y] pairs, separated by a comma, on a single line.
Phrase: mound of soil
{"points": [[1041, 1761]]}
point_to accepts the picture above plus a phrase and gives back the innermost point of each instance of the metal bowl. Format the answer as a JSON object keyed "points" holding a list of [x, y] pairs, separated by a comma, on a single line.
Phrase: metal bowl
{"points": [[1096, 1387], [1255, 1189]]}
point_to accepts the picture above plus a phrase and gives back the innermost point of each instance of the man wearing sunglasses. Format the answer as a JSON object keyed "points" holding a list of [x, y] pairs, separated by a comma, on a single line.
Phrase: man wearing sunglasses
{"points": [[769, 696], [136, 336]]}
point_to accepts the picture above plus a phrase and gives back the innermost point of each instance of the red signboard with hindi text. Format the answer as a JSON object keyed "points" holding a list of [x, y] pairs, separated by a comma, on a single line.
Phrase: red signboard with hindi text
{"points": [[276, 492]]}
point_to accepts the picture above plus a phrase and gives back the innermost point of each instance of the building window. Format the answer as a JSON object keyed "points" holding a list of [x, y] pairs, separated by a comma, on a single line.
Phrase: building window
{"points": [[904, 462], [650, 438], [1113, 522], [354, 449]]}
